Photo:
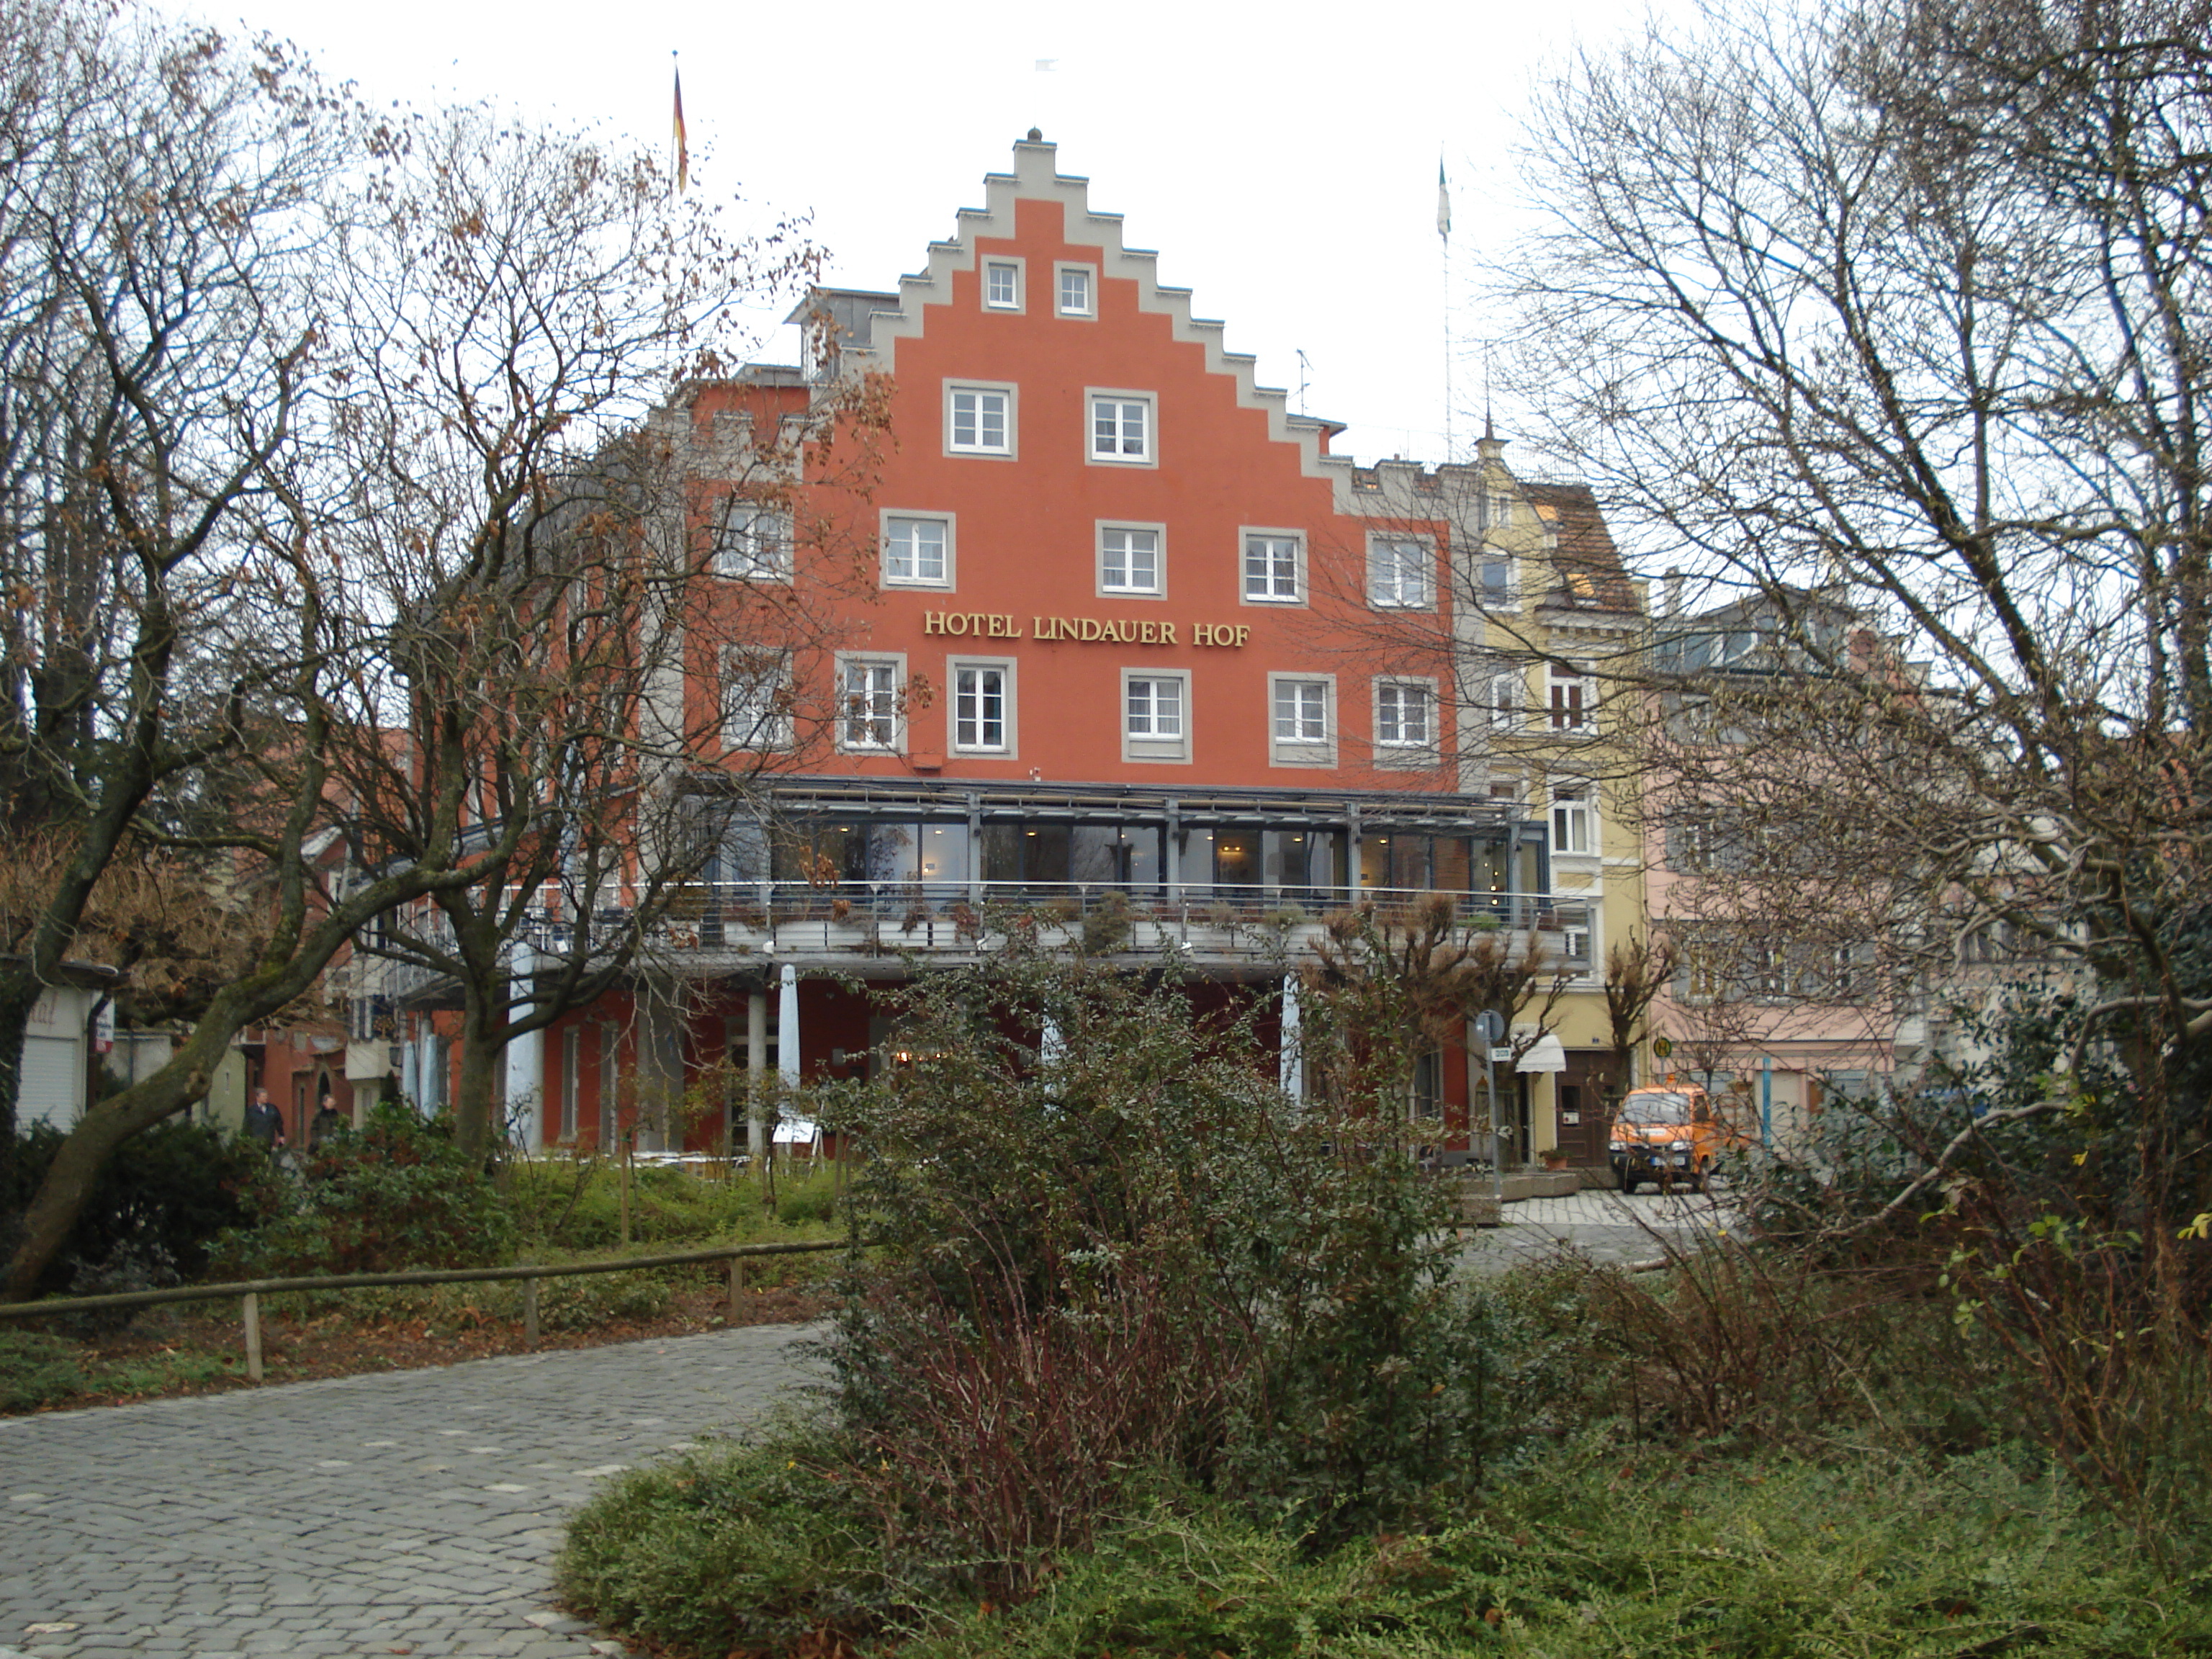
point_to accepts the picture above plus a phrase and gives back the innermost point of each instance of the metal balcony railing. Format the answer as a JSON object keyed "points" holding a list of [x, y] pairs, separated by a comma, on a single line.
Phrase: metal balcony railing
{"points": [[1105, 918], [1213, 921]]}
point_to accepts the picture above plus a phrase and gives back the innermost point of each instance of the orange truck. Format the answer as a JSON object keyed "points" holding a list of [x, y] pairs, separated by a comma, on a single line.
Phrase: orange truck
{"points": [[1668, 1133]]}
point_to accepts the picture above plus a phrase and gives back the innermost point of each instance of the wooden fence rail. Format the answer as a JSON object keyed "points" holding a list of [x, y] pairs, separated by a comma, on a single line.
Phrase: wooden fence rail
{"points": [[251, 1290]]}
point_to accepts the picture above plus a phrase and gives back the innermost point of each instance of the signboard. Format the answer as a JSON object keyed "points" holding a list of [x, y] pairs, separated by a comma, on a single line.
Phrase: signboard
{"points": [[1663, 1047], [1489, 1026], [1502, 1056]]}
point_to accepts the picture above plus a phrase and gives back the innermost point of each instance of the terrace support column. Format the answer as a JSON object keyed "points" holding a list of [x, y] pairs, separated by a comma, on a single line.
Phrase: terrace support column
{"points": [[1291, 1060], [526, 1066], [787, 1023]]}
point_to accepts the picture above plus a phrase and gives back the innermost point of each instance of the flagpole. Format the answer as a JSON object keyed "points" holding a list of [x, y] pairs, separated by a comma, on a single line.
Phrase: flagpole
{"points": [[1443, 235]]}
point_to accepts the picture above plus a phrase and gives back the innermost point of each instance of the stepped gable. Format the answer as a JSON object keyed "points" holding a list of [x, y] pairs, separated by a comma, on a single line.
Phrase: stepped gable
{"points": [[874, 322]]}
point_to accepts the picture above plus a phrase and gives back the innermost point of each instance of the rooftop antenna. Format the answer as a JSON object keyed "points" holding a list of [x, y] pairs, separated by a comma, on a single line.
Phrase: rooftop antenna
{"points": [[1305, 378]]}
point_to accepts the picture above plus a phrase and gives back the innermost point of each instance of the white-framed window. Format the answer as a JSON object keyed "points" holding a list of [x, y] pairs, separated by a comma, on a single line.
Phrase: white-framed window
{"points": [[1155, 715], [1302, 719], [1301, 710], [1494, 581], [1274, 567], [1768, 971], [1129, 559], [752, 543], [982, 707], [756, 698], [1124, 428], [918, 549], [1574, 821], [979, 420], [1400, 571], [1076, 291], [1702, 976], [1507, 693], [1405, 715], [869, 715], [1498, 513], [1002, 284], [1570, 702]]}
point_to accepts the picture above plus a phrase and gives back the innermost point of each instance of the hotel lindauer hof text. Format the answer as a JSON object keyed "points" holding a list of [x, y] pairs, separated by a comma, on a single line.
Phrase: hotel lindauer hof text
{"points": [[1003, 625]]}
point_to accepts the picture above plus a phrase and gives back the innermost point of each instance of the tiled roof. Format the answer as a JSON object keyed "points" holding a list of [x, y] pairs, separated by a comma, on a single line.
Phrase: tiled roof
{"points": [[1587, 565]]}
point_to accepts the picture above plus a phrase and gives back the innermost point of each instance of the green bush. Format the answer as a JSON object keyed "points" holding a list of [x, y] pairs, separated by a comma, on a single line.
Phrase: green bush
{"points": [[575, 1204], [588, 1301], [1588, 1553], [397, 1195], [157, 1207], [726, 1549], [1119, 1246], [810, 1202]]}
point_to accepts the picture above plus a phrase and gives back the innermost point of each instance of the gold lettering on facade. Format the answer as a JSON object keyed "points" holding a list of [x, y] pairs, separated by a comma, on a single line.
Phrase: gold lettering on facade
{"points": [[1002, 625]]}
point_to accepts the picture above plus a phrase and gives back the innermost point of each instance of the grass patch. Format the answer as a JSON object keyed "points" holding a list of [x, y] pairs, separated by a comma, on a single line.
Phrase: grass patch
{"points": [[575, 1204], [38, 1371]]}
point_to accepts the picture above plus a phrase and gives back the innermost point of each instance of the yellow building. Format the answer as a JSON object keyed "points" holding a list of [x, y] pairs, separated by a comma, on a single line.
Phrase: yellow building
{"points": [[1537, 648]]}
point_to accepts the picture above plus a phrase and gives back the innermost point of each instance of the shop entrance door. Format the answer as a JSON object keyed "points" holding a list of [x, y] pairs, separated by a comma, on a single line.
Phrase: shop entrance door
{"points": [[1583, 1101]]}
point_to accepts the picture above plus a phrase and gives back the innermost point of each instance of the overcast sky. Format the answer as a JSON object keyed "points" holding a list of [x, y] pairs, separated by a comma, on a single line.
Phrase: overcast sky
{"points": [[1281, 159]]}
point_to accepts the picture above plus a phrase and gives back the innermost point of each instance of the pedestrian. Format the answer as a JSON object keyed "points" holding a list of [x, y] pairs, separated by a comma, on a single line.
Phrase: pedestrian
{"points": [[264, 1123], [327, 1124]]}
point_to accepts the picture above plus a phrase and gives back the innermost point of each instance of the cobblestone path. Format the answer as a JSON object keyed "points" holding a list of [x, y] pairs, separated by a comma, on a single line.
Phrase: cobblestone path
{"points": [[1599, 1225], [410, 1513]]}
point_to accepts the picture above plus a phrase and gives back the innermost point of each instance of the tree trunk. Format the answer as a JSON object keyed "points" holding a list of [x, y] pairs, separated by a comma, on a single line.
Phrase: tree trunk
{"points": [[84, 1151], [483, 1048], [19, 995]]}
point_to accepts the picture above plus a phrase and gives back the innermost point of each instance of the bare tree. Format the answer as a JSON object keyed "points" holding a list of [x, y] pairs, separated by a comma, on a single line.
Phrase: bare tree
{"points": [[1901, 305], [1637, 968], [1391, 985], [151, 371], [581, 600], [346, 401]]}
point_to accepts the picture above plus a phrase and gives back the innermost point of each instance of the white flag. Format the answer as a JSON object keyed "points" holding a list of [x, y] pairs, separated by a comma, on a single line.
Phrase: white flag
{"points": [[1443, 203]]}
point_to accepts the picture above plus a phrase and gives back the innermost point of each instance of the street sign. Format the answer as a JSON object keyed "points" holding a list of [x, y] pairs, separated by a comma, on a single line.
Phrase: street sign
{"points": [[1663, 1047], [1501, 1056], [1489, 1026]]}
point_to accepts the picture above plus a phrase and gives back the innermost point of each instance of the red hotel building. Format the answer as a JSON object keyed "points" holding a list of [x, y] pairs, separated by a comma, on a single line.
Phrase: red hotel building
{"points": [[1133, 646]]}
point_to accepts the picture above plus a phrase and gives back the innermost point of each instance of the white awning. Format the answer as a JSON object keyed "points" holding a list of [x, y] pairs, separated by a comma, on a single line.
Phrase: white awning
{"points": [[1546, 1054]]}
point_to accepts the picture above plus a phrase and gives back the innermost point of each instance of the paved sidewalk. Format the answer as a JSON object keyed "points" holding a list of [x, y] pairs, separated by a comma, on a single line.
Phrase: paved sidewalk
{"points": [[1601, 1225], [415, 1512]]}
